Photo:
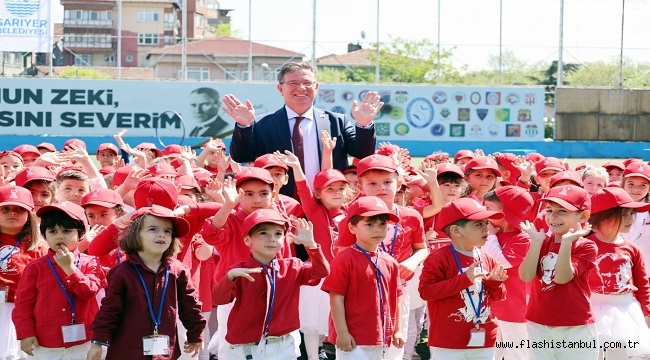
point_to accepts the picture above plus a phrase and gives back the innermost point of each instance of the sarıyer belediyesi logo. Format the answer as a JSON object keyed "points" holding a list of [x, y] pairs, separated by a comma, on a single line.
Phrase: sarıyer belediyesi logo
{"points": [[22, 8]]}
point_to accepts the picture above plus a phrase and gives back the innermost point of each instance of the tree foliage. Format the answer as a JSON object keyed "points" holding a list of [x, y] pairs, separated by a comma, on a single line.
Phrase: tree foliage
{"points": [[82, 73], [548, 78]]}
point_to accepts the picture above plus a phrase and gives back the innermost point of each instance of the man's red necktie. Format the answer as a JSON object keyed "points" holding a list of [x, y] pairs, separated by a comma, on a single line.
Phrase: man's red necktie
{"points": [[298, 143]]}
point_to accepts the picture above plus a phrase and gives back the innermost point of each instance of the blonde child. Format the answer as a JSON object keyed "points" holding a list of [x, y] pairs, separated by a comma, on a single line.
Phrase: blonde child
{"points": [[459, 282], [364, 286], [147, 292], [19, 245], [594, 178], [64, 279], [558, 266], [262, 329], [620, 293]]}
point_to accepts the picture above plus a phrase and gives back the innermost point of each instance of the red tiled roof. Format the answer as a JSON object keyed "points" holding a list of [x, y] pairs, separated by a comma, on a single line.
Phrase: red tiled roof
{"points": [[354, 58], [226, 46]]}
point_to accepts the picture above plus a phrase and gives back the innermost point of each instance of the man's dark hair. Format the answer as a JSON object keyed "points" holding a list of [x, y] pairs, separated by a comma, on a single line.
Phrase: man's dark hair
{"points": [[210, 92], [294, 66]]}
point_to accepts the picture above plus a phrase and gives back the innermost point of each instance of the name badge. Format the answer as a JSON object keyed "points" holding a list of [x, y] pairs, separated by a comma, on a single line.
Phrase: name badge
{"points": [[4, 293], [73, 332], [155, 345], [476, 337]]}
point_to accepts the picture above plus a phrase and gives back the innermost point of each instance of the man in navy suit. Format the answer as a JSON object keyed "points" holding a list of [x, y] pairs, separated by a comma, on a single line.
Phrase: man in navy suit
{"points": [[254, 137]]}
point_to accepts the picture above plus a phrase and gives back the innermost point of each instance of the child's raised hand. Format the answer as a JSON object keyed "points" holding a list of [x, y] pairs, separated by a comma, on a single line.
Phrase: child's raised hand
{"points": [[573, 235], [345, 342], [193, 348], [535, 235], [93, 231], [288, 158], [498, 273], [28, 344], [213, 189], [329, 142], [229, 191], [472, 272], [243, 272], [479, 152], [304, 233], [429, 172]]}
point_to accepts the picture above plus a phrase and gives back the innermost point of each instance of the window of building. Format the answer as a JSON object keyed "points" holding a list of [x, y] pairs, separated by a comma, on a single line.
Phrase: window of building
{"points": [[170, 40], [147, 16], [83, 60], [244, 75], [147, 39], [129, 58], [231, 73], [196, 73]]}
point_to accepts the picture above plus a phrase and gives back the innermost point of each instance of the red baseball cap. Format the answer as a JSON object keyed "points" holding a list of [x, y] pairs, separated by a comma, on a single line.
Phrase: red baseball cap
{"points": [[535, 157], [11, 153], [463, 154], [268, 160], [376, 162], [162, 168], [450, 168], [549, 163], [121, 174], [637, 169], [187, 182], [108, 169], [181, 225], [75, 142], [47, 146], [27, 149], [102, 197], [155, 191], [172, 150], [149, 146], [370, 206], [570, 197], [16, 195], [387, 149], [483, 162], [517, 204], [33, 173], [570, 175], [507, 160], [249, 173], [108, 146], [583, 165], [464, 208], [71, 209], [611, 197], [262, 216], [437, 157], [184, 200], [326, 177], [628, 161], [70, 167], [612, 163]]}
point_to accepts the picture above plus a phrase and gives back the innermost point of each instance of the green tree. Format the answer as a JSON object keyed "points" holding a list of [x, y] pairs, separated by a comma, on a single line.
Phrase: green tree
{"points": [[549, 79], [332, 76], [607, 74], [81, 73]]}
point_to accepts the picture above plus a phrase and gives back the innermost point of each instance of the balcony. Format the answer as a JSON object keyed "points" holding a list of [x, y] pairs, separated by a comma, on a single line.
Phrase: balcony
{"points": [[88, 23]]}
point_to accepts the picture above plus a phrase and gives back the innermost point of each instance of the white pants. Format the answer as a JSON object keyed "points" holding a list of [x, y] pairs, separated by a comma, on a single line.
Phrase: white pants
{"points": [[77, 352], [542, 334], [515, 333], [361, 353], [218, 344], [416, 322], [282, 350], [461, 354], [395, 353]]}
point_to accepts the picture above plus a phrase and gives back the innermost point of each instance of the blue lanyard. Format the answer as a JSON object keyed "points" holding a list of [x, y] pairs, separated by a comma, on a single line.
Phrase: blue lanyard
{"points": [[156, 319], [118, 256], [270, 273], [10, 252], [392, 245], [477, 310], [65, 292], [378, 276]]}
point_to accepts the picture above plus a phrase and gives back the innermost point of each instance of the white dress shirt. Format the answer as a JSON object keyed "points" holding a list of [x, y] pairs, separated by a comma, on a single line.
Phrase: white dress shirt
{"points": [[310, 141]]}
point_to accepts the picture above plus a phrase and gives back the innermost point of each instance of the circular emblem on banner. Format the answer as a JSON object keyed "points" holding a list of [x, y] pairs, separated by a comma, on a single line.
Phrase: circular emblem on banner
{"points": [[439, 97], [419, 112], [401, 129], [338, 109], [396, 113], [362, 94], [475, 98], [22, 8], [437, 130], [512, 98], [347, 96]]}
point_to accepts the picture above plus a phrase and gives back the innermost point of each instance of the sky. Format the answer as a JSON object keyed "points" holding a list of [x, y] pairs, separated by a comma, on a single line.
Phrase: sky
{"points": [[469, 28]]}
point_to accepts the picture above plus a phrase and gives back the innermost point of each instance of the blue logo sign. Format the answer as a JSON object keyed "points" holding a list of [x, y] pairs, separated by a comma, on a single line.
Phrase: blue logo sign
{"points": [[419, 112], [482, 113], [22, 8], [437, 130]]}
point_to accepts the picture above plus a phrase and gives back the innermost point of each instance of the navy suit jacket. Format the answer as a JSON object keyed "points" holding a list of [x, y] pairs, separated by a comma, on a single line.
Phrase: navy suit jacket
{"points": [[270, 133]]}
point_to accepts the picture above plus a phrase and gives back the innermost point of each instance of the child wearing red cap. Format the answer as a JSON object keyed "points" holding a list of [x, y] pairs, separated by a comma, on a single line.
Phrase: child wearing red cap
{"points": [[29, 153], [147, 292], [614, 170], [324, 207], [636, 182], [11, 163], [620, 294], [40, 182], [462, 157], [63, 279], [460, 282], [364, 286], [405, 240], [481, 174], [544, 170], [19, 245], [102, 207], [558, 265], [508, 245], [280, 175], [262, 329], [594, 178], [107, 154]]}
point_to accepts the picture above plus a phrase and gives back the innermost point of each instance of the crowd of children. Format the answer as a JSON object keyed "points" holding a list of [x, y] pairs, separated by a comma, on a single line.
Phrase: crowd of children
{"points": [[167, 254]]}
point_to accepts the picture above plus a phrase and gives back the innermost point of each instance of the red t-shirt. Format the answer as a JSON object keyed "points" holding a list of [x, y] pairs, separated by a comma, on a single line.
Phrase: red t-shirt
{"points": [[353, 276], [247, 318], [15, 259], [451, 313], [567, 304], [619, 269]]}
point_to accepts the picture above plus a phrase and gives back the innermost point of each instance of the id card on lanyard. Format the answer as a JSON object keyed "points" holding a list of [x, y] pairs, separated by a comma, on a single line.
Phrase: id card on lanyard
{"points": [[74, 331], [270, 275], [4, 290], [155, 344], [476, 335]]}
